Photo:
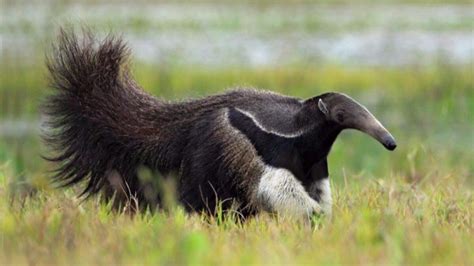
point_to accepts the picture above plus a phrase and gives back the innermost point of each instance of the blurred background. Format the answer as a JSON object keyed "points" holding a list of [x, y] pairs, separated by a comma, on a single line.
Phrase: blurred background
{"points": [[410, 62]]}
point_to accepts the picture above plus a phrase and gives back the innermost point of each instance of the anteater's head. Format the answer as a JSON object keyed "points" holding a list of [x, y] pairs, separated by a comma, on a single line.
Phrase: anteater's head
{"points": [[345, 112]]}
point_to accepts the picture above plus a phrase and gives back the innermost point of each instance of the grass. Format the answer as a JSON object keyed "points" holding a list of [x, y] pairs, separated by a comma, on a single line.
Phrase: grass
{"points": [[374, 222], [413, 206]]}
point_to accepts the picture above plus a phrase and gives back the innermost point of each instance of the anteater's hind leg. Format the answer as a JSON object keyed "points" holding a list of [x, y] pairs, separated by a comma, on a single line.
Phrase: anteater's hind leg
{"points": [[129, 194], [117, 191]]}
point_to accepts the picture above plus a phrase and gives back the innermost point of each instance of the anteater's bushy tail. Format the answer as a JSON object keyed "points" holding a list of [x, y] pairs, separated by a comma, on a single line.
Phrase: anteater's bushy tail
{"points": [[101, 124]]}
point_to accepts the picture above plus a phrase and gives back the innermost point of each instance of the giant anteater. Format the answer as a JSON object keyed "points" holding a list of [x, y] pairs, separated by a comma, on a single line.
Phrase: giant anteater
{"points": [[256, 149]]}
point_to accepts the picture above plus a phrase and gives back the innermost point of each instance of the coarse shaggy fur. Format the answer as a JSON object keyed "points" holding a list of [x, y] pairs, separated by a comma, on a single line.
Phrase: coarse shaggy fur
{"points": [[256, 149]]}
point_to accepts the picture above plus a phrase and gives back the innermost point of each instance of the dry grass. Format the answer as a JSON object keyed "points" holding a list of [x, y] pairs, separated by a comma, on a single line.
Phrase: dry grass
{"points": [[377, 222]]}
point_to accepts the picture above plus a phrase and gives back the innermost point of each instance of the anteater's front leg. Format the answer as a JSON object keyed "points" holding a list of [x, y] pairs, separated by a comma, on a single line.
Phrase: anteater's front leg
{"points": [[319, 187], [279, 191]]}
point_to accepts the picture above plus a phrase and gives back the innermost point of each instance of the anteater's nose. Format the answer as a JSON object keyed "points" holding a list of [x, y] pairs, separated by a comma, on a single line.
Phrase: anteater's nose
{"points": [[389, 142]]}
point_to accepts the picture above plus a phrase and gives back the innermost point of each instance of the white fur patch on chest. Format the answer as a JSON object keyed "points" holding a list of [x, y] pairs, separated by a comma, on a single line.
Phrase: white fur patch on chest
{"points": [[280, 191]]}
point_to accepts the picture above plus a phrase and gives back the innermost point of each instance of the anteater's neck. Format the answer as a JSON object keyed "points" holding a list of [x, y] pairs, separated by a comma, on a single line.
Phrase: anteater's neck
{"points": [[315, 145]]}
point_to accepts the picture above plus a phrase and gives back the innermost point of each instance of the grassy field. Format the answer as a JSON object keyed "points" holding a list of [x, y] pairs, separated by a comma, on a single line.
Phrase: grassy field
{"points": [[378, 222], [413, 206]]}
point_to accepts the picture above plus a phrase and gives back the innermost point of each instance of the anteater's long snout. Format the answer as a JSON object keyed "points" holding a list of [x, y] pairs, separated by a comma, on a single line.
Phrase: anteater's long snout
{"points": [[374, 128]]}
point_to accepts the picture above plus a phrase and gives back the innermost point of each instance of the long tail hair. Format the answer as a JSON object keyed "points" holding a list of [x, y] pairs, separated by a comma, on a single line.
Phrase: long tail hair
{"points": [[100, 123]]}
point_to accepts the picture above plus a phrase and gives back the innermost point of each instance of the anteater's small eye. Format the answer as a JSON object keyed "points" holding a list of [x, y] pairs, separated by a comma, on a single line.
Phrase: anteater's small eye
{"points": [[340, 117]]}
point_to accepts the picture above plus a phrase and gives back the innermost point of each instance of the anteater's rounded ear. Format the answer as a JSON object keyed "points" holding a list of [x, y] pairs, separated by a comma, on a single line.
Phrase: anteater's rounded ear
{"points": [[322, 107]]}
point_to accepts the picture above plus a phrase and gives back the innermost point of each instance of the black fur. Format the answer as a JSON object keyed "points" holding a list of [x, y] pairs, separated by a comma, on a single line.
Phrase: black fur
{"points": [[103, 127]]}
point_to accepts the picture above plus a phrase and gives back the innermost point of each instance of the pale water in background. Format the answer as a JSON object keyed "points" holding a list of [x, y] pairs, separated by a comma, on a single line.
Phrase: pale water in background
{"points": [[214, 34]]}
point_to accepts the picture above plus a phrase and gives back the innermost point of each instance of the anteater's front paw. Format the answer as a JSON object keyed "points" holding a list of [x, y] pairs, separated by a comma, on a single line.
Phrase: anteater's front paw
{"points": [[315, 210]]}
